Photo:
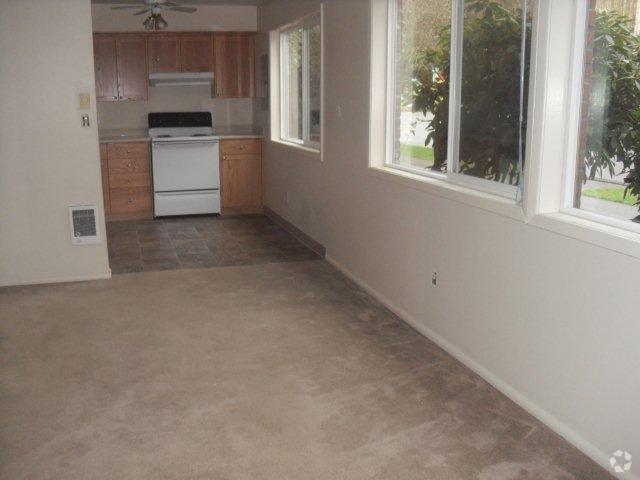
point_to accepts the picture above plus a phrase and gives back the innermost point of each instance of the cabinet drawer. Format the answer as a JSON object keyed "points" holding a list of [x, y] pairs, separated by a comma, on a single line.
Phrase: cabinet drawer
{"points": [[128, 150], [137, 199], [240, 146], [117, 180], [128, 165]]}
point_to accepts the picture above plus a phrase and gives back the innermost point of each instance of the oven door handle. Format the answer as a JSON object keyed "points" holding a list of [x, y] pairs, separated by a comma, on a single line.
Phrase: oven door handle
{"points": [[186, 142]]}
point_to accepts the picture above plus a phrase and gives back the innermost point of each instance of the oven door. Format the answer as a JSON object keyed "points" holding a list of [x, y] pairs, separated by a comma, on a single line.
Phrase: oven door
{"points": [[186, 165]]}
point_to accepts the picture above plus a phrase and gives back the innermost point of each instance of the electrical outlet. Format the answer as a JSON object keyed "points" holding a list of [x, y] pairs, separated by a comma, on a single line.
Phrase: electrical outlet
{"points": [[434, 279]]}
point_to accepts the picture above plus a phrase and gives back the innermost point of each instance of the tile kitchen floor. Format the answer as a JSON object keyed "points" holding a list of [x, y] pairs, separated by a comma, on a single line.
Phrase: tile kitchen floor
{"points": [[200, 242]]}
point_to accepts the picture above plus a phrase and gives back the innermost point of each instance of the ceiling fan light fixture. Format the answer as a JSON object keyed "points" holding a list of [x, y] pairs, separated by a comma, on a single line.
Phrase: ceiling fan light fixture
{"points": [[155, 22], [148, 23], [161, 23]]}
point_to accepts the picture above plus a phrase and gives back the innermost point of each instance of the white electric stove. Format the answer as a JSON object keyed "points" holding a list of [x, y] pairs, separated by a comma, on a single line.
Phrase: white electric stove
{"points": [[186, 164]]}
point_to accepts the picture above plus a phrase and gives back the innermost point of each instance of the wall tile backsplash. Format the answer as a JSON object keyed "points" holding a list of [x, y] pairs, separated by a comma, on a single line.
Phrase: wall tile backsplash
{"points": [[226, 112]]}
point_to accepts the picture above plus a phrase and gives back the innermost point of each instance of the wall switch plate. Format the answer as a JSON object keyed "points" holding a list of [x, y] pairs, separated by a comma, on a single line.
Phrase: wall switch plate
{"points": [[84, 101], [434, 279]]}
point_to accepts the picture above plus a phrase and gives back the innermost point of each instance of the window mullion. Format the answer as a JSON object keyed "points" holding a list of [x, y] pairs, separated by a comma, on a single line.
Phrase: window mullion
{"points": [[305, 87], [284, 90], [455, 85]]}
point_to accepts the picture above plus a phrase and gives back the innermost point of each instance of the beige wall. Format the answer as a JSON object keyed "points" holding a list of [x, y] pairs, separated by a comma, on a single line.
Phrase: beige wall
{"points": [[207, 18], [48, 161], [550, 320], [236, 111]]}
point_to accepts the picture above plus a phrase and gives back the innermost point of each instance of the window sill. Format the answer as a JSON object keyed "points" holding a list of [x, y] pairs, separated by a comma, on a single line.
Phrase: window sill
{"points": [[586, 230], [452, 191], [308, 151]]}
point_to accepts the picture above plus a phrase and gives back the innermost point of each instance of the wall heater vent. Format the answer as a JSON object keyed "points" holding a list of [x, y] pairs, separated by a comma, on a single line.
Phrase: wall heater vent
{"points": [[84, 227]]}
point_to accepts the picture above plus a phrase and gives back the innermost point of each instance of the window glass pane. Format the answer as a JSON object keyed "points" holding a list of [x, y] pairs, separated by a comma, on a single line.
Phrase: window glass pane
{"points": [[608, 169], [292, 84], [421, 70], [491, 91], [314, 83]]}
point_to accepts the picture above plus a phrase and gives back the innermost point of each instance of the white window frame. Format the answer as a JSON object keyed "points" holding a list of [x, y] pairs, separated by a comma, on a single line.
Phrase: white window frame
{"points": [[553, 118], [306, 23], [573, 129], [453, 138]]}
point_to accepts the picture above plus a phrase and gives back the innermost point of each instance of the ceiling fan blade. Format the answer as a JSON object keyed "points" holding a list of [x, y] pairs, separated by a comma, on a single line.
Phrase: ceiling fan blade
{"points": [[182, 9], [125, 7], [141, 12], [171, 4]]}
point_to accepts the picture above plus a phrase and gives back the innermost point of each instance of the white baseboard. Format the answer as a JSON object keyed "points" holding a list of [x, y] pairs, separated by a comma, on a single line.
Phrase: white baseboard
{"points": [[545, 417], [42, 281]]}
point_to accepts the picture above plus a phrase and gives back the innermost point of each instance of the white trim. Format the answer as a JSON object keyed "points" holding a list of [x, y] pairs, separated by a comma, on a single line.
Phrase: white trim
{"points": [[312, 151], [390, 92], [280, 120], [582, 226], [443, 187], [378, 83], [502, 386], [53, 280], [322, 78], [575, 102]]}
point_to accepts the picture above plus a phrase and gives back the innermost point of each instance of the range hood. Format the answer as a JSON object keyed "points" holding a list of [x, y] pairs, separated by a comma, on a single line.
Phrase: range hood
{"points": [[180, 79]]}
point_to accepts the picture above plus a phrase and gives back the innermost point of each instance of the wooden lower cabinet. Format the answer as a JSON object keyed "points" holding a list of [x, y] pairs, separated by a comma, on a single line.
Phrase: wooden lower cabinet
{"points": [[126, 180], [241, 176], [130, 200]]}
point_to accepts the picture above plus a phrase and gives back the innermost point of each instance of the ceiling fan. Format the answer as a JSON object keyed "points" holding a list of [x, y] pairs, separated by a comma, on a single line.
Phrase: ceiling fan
{"points": [[154, 8]]}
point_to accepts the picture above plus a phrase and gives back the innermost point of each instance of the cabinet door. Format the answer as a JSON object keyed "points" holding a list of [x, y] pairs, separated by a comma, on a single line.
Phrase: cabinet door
{"points": [[241, 181], [164, 53], [197, 53], [104, 52], [234, 65], [133, 77], [246, 66], [104, 171]]}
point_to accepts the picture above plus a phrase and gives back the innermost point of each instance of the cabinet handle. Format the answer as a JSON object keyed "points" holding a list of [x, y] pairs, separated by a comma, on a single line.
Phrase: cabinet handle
{"points": [[130, 201], [157, 58], [241, 147]]}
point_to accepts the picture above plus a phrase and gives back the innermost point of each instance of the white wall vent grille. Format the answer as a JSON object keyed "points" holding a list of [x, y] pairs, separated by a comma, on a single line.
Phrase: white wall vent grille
{"points": [[84, 226]]}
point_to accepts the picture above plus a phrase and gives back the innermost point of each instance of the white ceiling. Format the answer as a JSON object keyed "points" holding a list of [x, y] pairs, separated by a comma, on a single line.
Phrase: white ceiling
{"points": [[181, 2]]}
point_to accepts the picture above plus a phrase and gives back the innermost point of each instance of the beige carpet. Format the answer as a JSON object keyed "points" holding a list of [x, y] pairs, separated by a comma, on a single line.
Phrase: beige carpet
{"points": [[269, 372]]}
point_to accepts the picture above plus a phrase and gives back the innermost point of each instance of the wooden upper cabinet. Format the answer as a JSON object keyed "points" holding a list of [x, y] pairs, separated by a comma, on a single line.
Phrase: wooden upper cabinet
{"points": [[246, 66], [197, 53], [106, 70], [164, 53], [234, 65], [133, 78]]}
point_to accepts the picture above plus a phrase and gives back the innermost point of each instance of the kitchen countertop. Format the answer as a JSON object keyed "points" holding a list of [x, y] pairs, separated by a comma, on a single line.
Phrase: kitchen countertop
{"points": [[142, 134], [123, 135]]}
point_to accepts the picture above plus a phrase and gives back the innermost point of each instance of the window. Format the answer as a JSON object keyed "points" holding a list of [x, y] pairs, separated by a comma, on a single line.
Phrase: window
{"points": [[606, 177], [300, 82], [457, 90]]}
